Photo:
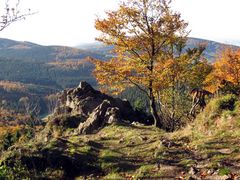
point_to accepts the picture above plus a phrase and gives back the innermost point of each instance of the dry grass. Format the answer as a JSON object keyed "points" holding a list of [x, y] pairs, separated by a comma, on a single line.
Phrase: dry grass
{"points": [[214, 135]]}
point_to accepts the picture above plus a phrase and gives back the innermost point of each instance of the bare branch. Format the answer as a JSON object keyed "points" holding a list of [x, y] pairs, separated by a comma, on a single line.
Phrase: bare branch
{"points": [[12, 13]]}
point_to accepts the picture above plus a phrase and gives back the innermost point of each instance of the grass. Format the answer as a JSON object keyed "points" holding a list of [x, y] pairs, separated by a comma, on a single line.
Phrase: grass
{"points": [[113, 175], [137, 152], [224, 171], [214, 135], [122, 151], [147, 171], [126, 151]]}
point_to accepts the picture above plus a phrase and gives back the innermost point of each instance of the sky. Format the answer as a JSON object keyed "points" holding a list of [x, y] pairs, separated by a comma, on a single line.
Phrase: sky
{"points": [[71, 22]]}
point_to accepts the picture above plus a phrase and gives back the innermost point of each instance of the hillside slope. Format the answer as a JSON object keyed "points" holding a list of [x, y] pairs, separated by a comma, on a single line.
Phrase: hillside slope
{"points": [[42, 69], [130, 151], [28, 62], [55, 66]]}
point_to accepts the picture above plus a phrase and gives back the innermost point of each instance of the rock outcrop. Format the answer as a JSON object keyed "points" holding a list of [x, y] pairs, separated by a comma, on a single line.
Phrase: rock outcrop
{"points": [[103, 114], [98, 109]]}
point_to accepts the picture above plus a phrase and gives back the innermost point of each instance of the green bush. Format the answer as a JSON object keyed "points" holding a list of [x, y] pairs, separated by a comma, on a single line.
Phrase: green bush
{"points": [[139, 105], [18, 171], [9, 139], [224, 171], [227, 102], [216, 106]]}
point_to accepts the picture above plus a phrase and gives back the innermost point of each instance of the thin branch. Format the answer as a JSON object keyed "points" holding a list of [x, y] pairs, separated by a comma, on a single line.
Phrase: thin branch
{"points": [[138, 86], [12, 15]]}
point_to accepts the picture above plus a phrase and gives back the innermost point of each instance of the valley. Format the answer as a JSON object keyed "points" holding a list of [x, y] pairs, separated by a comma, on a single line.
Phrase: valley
{"points": [[45, 70]]}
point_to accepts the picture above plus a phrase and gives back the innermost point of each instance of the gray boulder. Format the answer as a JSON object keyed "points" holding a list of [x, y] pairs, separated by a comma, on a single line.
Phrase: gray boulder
{"points": [[84, 99], [101, 115], [98, 108]]}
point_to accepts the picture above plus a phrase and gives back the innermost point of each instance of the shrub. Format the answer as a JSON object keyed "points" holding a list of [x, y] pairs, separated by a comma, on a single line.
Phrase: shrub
{"points": [[217, 106], [18, 171], [227, 102], [224, 171]]}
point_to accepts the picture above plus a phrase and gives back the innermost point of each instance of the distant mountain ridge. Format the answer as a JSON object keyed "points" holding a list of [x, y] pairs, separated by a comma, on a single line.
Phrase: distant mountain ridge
{"points": [[24, 50], [8, 43], [45, 67], [211, 50]]}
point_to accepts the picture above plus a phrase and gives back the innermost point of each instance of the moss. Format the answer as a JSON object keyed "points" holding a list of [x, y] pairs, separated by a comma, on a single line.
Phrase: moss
{"points": [[53, 143], [85, 149], [72, 151]]}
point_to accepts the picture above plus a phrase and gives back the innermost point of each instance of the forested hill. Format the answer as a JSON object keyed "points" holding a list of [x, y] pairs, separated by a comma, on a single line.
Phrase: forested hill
{"points": [[47, 69], [40, 70], [210, 52], [61, 66], [55, 66], [31, 52], [10, 49]]}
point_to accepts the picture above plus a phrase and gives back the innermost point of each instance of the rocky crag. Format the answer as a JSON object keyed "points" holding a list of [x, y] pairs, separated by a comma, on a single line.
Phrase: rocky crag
{"points": [[87, 110], [80, 111]]}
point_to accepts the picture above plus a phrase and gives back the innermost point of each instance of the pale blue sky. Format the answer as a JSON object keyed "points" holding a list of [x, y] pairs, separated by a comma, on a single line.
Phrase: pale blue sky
{"points": [[71, 22]]}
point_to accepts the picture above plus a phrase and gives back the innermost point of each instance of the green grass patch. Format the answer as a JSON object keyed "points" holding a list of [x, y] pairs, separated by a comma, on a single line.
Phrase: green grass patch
{"points": [[147, 172], [224, 171], [113, 175]]}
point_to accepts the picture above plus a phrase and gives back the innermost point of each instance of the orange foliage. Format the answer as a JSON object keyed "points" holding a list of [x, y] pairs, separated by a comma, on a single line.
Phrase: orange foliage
{"points": [[144, 34], [226, 68], [8, 129], [148, 39]]}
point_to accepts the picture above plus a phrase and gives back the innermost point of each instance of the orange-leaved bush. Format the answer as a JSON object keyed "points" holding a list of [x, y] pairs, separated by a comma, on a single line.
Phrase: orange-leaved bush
{"points": [[226, 71]]}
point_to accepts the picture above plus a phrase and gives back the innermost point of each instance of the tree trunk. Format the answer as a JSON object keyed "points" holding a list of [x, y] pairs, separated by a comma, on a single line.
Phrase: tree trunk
{"points": [[153, 109], [173, 102]]}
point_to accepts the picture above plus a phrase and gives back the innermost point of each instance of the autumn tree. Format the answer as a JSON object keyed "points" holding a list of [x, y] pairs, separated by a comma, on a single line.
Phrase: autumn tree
{"points": [[177, 76], [226, 72], [10, 12], [149, 40]]}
